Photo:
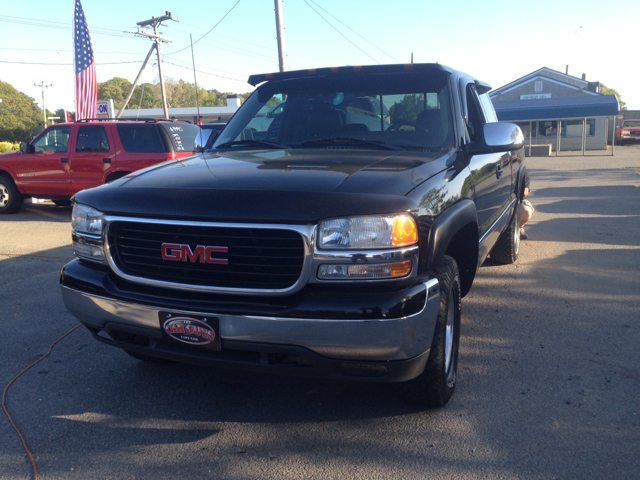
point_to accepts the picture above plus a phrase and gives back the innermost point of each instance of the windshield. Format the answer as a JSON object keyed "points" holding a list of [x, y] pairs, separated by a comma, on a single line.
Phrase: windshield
{"points": [[410, 111], [631, 124]]}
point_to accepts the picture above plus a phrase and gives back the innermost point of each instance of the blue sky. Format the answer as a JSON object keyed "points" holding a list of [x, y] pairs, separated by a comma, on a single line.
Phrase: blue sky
{"points": [[495, 41]]}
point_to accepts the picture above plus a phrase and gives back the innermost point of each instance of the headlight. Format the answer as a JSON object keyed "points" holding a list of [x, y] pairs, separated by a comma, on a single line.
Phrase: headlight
{"points": [[85, 219], [367, 232], [86, 223]]}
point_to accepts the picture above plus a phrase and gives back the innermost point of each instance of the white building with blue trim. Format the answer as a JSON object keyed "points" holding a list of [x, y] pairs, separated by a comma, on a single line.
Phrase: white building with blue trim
{"points": [[556, 110]]}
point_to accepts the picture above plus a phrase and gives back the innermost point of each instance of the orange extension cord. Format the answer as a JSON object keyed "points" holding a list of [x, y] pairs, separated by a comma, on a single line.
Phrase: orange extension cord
{"points": [[4, 395]]}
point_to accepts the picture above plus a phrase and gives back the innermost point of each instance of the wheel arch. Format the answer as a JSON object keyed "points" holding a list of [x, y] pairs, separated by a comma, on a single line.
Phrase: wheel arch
{"points": [[522, 171], [8, 173], [455, 233], [115, 175]]}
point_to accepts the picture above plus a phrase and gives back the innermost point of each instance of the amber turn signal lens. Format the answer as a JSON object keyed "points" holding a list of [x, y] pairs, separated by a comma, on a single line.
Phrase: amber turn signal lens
{"points": [[400, 269], [404, 231]]}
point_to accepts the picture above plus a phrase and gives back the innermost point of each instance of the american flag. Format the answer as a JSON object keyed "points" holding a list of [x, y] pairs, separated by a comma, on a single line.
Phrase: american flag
{"points": [[85, 66]]}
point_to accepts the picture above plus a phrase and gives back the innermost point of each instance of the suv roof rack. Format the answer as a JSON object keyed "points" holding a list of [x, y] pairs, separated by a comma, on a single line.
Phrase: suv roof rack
{"points": [[146, 120]]}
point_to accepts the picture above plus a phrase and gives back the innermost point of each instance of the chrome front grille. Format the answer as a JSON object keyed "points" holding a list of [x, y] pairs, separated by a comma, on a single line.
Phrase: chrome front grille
{"points": [[257, 257]]}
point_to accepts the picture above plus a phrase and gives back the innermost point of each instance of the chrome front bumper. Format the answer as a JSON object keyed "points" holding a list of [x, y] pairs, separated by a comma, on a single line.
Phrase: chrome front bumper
{"points": [[363, 340]]}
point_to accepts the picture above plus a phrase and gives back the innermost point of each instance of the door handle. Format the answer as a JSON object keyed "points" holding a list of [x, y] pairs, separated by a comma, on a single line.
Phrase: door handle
{"points": [[64, 160], [106, 160]]}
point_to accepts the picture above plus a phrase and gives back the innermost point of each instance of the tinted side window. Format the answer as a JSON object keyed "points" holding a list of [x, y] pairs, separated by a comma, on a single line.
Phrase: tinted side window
{"points": [[181, 135], [474, 115], [92, 138], [140, 138], [54, 139]]}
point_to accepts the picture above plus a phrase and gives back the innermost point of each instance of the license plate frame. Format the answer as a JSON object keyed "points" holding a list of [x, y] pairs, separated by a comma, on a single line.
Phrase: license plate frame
{"points": [[197, 331]]}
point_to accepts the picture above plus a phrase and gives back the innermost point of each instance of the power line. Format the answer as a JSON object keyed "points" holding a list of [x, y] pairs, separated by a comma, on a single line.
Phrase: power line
{"points": [[66, 51], [345, 37], [206, 73], [37, 63], [220, 21], [370, 43], [59, 26], [215, 69]]}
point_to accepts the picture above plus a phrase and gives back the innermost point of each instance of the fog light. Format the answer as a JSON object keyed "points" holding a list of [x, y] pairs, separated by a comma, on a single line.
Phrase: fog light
{"points": [[90, 252], [364, 270]]}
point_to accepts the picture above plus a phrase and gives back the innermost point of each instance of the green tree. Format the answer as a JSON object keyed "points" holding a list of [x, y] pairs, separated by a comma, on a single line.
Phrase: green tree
{"points": [[20, 117], [179, 93], [610, 91], [117, 89], [144, 97], [408, 109]]}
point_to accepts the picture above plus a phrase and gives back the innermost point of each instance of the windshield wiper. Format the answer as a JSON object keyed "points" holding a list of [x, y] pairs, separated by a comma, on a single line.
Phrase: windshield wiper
{"points": [[251, 143], [348, 141]]}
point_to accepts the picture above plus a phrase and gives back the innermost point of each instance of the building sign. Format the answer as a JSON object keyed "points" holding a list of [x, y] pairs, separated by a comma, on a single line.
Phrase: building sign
{"points": [[105, 109], [536, 96]]}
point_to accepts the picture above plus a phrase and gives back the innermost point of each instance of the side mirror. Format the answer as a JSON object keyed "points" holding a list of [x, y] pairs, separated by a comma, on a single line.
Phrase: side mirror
{"points": [[497, 137], [25, 147], [198, 142], [212, 138]]}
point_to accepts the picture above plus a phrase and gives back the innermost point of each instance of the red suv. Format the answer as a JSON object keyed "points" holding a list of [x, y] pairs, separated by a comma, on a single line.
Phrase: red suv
{"points": [[69, 157]]}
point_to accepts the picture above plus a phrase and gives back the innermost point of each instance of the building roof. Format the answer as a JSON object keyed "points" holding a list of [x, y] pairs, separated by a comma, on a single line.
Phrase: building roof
{"points": [[544, 71], [557, 108]]}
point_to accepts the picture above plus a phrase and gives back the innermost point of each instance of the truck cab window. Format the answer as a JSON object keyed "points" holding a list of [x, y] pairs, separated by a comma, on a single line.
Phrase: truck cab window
{"points": [[474, 115]]}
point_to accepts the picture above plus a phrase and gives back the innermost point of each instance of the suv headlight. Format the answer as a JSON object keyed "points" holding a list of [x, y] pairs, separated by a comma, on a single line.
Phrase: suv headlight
{"points": [[86, 223], [359, 233], [367, 233]]}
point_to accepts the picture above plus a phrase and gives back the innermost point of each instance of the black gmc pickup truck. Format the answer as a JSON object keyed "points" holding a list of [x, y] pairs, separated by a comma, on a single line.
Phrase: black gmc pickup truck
{"points": [[332, 230]]}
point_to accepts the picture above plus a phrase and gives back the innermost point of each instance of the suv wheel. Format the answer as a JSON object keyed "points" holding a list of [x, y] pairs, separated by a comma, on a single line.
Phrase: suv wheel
{"points": [[506, 249], [434, 387], [10, 198]]}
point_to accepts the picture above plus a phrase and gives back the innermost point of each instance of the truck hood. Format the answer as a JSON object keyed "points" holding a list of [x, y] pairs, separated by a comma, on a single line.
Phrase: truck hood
{"points": [[271, 185]]}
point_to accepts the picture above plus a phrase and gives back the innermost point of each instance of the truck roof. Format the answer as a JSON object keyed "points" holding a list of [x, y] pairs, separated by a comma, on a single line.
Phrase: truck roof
{"points": [[416, 67]]}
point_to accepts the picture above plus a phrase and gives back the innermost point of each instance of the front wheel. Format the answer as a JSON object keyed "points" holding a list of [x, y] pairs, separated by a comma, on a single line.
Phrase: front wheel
{"points": [[10, 198], [506, 249], [434, 387]]}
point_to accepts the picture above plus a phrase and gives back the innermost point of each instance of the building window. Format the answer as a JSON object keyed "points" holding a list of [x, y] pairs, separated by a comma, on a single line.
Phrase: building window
{"points": [[573, 128], [548, 128], [538, 86], [527, 127]]}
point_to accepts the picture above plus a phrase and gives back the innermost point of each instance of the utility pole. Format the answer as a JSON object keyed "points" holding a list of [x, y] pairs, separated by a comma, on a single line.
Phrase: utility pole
{"points": [[280, 37], [153, 22], [44, 110]]}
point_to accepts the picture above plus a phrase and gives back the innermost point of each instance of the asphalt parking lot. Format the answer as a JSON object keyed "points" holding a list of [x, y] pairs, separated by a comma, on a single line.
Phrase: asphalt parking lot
{"points": [[549, 380]]}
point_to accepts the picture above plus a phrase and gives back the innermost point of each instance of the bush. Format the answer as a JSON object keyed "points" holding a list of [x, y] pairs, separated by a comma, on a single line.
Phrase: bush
{"points": [[9, 147]]}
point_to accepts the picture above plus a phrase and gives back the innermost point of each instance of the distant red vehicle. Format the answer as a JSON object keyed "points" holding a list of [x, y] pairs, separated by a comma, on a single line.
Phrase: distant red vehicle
{"points": [[629, 130], [69, 157]]}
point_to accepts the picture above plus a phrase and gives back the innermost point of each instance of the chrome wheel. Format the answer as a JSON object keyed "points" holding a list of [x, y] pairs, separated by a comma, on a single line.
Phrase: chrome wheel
{"points": [[516, 232], [449, 334], [4, 195]]}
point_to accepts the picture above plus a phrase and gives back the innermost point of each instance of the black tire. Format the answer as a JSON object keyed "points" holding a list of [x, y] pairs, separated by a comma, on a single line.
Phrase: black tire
{"points": [[434, 387], [146, 358], [622, 143], [506, 249], [116, 176], [10, 198], [62, 203]]}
